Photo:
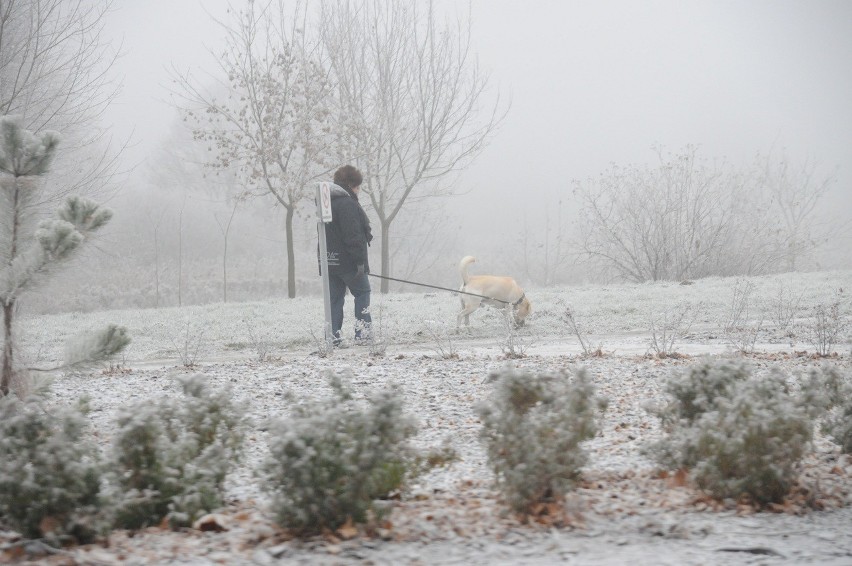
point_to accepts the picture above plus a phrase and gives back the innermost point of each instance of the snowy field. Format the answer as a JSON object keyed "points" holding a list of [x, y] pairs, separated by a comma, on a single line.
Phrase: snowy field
{"points": [[622, 512]]}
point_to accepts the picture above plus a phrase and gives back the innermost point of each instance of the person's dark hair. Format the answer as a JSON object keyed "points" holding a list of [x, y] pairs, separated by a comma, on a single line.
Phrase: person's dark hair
{"points": [[348, 177]]}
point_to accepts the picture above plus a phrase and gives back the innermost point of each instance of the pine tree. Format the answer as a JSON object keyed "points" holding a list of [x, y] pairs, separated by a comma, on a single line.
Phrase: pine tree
{"points": [[30, 250]]}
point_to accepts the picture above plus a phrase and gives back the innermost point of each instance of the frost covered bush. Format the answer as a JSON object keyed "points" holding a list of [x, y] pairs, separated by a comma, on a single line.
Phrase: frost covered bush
{"points": [[532, 427], [837, 390], [838, 426], [171, 455], [696, 391], [670, 327], [739, 435], [569, 317], [49, 472], [827, 325], [334, 457]]}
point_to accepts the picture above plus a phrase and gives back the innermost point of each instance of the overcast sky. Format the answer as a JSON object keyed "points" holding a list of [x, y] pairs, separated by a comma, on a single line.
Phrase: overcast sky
{"points": [[591, 83]]}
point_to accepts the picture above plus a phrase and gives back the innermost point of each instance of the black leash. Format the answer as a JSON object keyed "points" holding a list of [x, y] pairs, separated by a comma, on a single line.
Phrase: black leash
{"points": [[440, 288]]}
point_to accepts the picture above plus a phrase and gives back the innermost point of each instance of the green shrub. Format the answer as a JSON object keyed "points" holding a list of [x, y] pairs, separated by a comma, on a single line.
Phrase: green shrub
{"points": [[171, 456], [739, 435], [532, 426], [334, 457], [49, 472]]}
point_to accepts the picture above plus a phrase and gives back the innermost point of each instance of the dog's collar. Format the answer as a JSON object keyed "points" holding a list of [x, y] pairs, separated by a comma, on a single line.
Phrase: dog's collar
{"points": [[519, 301]]}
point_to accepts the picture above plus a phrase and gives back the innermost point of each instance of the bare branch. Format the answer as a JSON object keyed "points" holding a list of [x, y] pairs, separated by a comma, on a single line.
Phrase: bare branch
{"points": [[410, 92]]}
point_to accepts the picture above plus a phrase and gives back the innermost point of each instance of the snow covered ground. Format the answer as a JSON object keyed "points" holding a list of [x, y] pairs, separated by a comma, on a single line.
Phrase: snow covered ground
{"points": [[623, 511]]}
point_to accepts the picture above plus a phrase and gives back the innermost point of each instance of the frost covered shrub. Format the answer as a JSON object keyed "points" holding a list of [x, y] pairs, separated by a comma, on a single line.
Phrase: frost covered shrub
{"points": [[737, 434], [49, 472], [334, 457], [532, 427], [171, 455], [698, 389], [827, 325], [838, 425], [837, 391]]}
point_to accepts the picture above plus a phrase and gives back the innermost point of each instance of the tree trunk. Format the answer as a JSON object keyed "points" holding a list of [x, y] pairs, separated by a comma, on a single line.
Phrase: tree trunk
{"points": [[385, 256], [225, 272], [9, 301], [291, 256], [6, 376], [156, 270], [226, 232], [180, 255]]}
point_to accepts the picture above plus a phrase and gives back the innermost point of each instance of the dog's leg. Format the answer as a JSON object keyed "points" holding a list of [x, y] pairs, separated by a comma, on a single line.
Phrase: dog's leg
{"points": [[463, 314], [509, 314], [467, 308]]}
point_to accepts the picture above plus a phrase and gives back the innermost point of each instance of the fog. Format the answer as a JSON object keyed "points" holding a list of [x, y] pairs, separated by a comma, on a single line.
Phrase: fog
{"points": [[586, 84], [594, 83]]}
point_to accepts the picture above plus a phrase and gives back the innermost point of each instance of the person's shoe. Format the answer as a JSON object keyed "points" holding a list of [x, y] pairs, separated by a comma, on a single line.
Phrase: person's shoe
{"points": [[363, 338], [341, 344]]}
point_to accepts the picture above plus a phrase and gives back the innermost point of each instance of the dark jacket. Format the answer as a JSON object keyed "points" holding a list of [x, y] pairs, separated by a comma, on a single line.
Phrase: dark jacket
{"points": [[348, 234]]}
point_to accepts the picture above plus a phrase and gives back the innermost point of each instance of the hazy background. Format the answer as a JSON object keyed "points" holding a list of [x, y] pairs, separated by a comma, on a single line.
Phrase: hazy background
{"points": [[590, 84]]}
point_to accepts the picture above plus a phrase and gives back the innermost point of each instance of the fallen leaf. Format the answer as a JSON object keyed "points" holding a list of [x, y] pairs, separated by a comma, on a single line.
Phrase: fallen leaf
{"points": [[348, 530], [679, 479], [48, 525], [211, 523]]}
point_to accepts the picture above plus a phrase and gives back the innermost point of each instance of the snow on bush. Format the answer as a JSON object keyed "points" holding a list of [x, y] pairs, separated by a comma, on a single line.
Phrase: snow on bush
{"points": [[839, 425], [334, 457], [697, 391], [739, 435], [171, 455], [49, 472], [837, 389], [827, 325], [532, 426]]}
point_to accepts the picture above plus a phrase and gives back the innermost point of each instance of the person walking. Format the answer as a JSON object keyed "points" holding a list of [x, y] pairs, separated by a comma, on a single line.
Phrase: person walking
{"points": [[348, 236]]}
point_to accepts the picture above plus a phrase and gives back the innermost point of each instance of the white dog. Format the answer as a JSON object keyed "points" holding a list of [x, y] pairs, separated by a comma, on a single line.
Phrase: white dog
{"points": [[502, 292]]}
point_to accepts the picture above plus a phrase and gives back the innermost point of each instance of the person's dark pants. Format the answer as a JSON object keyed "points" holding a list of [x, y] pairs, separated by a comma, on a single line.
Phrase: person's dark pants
{"points": [[359, 286]]}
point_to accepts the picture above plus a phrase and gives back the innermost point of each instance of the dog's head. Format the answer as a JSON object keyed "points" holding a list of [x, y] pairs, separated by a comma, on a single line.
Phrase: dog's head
{"points": [[522, 311]]}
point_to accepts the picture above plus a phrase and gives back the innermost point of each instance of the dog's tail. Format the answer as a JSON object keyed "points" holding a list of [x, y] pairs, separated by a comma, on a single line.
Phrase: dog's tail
{"points": [[466, 260]]}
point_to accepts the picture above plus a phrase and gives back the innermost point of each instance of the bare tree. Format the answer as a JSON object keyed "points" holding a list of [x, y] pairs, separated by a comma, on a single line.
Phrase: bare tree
{"points": [[275, 119], [543, 249], [683, 219], [174, 173], [55, 73], [155, 218], [410, 92], [225, 229], [426, 237], [794, 193], [180, 252]]}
